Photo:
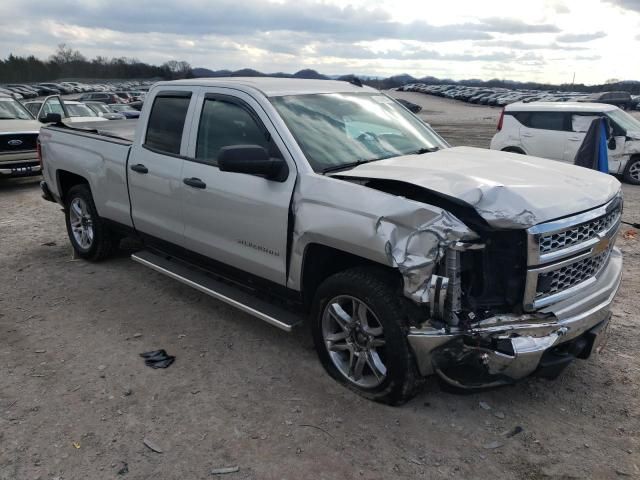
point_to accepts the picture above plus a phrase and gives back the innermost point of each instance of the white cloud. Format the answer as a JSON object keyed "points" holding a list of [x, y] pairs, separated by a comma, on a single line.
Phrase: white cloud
{"points": [[521, 40]]}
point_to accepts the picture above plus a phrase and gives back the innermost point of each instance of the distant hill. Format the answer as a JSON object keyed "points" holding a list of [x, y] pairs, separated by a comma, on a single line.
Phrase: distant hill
{"points": [[249, 72], [404, 79]]}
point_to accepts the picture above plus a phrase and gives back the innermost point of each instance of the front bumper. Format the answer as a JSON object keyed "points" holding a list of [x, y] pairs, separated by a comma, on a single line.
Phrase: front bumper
{"points": [[20, 167], [506, 348]]}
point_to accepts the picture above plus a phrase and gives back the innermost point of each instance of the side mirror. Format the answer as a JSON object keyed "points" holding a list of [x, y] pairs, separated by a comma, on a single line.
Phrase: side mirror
{"points": [[612, 143], [51, 118], [253, 160]]}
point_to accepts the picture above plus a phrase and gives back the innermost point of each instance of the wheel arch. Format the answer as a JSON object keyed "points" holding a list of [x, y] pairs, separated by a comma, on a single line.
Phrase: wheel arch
{"points": [[67, 180], [321, 261], [512, 149]]}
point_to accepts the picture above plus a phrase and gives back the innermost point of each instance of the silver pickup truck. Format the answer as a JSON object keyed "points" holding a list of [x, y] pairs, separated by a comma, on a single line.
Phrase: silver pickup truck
{"points": [[328, 201]]}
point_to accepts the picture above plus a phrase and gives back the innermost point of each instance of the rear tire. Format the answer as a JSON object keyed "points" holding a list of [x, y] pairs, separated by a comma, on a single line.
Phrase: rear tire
{"points": [[632, 171], [88, 234], [359, 329]]}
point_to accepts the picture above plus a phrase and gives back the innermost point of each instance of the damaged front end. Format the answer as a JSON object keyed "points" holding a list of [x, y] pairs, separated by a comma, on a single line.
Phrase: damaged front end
{"points": [[507, 303]]}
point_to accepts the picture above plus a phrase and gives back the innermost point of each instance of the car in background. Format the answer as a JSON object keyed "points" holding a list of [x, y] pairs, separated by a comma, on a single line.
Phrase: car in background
{"points": [[45, 90], [557, 130], [127, 110], [18, 139], [126, 97], [26, 93], [69, 110], [412, 107], [619, 99], [103, 110], [137, 95], [104, 97], [58, 86], [8, 92]]}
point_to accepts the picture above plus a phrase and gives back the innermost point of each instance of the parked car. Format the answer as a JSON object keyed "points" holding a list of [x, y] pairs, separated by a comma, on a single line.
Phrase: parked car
{"points": [[58, 86], [619, 99], [103, 110], [8, 92], [414, 108], [18, 137], [126, 110], [104, 97], [44, 90], [126, 97], [26, 93], [556, 131], [408, 257], [70, 111]]}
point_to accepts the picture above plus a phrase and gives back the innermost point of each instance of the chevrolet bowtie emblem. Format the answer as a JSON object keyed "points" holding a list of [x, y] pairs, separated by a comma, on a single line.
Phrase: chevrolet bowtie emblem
{"points": [[601, 246]]}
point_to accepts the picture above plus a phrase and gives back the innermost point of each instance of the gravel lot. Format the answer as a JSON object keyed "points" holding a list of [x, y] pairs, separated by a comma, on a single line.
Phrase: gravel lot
{"points": [[76, 400]]}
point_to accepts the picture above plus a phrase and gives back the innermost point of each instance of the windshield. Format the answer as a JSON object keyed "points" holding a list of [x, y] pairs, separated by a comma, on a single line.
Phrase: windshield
{"points": [[345, 128], [76, 110], [11, 109], [624, 120]]}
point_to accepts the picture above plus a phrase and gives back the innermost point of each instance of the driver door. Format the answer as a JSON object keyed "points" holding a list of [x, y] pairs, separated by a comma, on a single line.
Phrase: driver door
{"points": [[238, 219]]}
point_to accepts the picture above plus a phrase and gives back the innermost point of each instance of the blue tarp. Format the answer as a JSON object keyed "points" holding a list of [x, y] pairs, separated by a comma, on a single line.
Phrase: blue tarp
{"points": [[594, 151]]}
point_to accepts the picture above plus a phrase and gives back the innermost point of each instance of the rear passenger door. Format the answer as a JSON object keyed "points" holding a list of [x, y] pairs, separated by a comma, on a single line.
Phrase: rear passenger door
{"points": [[544, 134], [235, 218], [155, 165]]}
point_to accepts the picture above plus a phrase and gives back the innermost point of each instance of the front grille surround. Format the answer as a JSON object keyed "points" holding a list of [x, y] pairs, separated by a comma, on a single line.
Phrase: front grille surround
{"points": [[566, 255], [15, 142]]}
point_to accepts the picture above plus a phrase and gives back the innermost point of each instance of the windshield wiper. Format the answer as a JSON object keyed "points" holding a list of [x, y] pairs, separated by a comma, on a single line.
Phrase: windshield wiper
{"points": [[423, 150], [346, 166]]}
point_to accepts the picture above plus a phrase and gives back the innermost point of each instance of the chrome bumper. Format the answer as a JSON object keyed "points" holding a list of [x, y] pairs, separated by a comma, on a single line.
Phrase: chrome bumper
{"points": [[506, 348]]}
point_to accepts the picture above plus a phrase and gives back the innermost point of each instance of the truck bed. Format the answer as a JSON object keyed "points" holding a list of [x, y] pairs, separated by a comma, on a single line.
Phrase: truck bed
{"points": [[120, 129], [96, 151]]}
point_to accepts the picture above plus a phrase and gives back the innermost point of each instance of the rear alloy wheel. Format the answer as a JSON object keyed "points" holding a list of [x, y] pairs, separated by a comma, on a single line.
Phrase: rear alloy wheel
{"points": [[89, 236], [632, 171]]}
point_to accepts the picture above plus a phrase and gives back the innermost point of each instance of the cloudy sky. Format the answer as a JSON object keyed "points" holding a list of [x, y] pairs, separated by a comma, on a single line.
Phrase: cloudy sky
{"points": [[540, 40]]}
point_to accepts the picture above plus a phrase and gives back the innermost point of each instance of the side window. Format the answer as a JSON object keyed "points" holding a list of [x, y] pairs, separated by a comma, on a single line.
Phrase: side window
{"points": [[224, 123], [542, 120], [166, 122], [581, 123], [53, 105]]}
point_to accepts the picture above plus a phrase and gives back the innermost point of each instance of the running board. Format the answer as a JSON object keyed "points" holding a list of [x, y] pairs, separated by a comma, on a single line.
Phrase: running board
{"points": [[235, 296]]}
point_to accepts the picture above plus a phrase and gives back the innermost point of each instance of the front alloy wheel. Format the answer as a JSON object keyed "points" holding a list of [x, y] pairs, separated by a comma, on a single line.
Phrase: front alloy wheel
{"points": [[354, 339]]}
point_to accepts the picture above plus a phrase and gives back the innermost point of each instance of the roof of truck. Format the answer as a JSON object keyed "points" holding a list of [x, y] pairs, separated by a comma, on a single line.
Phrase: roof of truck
{"points": [[559, 106], [274, 87]]}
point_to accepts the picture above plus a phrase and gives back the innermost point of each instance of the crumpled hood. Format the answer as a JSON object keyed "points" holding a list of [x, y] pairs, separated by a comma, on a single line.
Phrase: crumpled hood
{"points": [[508, 190]]}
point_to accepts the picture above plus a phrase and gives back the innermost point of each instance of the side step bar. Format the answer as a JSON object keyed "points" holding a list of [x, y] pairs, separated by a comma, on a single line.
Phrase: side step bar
{"points": [[273, 314]]}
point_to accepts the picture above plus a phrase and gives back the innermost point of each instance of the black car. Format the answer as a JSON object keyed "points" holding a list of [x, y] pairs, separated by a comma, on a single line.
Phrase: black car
{"points": [[412, 107]]}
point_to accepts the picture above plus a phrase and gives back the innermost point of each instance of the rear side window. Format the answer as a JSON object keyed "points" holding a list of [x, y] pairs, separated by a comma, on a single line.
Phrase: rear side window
{"points": [[166, 122], [543, 120], [225, 123]]}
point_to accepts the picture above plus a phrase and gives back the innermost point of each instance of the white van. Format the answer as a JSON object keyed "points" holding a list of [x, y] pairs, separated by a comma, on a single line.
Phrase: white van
{"points": [[556, 131]]}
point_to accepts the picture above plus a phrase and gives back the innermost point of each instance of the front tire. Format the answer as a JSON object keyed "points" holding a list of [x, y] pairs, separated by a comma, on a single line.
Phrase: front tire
{"points": [[632, 171], [89, 236], [359, 329]]}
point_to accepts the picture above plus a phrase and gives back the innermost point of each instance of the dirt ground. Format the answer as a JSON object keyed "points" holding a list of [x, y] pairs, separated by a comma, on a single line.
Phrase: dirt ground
{"points": [[77, 402]]}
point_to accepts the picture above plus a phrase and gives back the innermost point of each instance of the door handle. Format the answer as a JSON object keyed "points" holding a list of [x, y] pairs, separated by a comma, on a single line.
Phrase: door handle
{"points": [[527, 135], [139, 168], [575, 139], [195, 182]]}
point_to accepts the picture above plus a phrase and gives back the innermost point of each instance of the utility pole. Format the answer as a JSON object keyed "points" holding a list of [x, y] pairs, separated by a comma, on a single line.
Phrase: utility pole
{"points": [[574, 78]]}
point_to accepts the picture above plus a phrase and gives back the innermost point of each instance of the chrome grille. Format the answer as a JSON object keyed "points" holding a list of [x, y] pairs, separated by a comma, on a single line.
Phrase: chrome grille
{"points": [[571, 275], [18, 142], [579, 233], [567, 255]]}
